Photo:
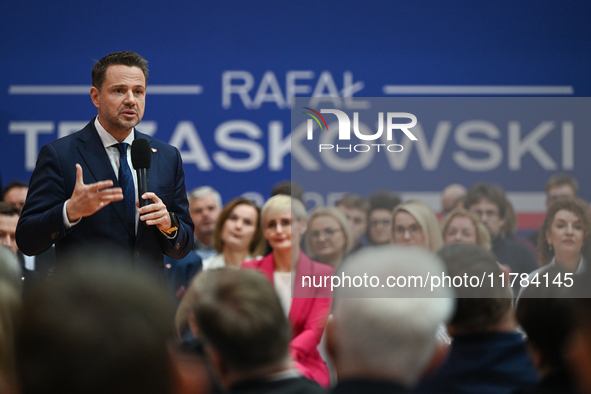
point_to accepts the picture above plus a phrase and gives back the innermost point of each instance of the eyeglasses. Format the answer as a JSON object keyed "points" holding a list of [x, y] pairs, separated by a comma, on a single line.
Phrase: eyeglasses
{"points": [[413, 230], [327, 232], [383, 222], [272, 224]]}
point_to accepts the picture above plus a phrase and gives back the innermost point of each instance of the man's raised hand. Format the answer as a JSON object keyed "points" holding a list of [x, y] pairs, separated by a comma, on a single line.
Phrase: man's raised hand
{"points": [[88, 199]]}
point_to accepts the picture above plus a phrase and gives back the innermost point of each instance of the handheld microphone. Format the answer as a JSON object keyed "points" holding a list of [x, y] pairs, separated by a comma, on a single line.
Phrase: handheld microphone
{"points": [[141, 159]]}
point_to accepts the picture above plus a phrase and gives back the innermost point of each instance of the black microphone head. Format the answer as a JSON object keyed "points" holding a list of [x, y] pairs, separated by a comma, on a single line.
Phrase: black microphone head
{"points": [[141, 154]]}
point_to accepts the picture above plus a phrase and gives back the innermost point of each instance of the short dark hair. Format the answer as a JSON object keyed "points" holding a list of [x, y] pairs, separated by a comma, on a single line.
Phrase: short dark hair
{"points": [[383, 200], [476, 314], [13, 184], [581, 210], [493, 193], [288, 188], [352, 200], [8, 209], [124, 58], [547, 316], [239, 314], [95, 328], [562, 179]]}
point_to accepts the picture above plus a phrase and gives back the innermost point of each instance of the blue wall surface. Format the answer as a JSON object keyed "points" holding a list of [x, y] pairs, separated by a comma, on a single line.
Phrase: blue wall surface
{"points": [[223, 73]]}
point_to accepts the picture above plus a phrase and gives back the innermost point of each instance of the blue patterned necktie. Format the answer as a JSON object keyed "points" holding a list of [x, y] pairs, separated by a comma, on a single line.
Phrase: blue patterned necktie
{"points": [[126, 182]]}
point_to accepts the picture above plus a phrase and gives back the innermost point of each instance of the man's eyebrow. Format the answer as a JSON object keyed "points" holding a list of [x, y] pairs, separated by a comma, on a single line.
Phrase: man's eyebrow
{"points": [[123, 85]]}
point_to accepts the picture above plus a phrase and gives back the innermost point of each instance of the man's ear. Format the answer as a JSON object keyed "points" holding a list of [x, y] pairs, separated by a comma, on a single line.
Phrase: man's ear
{"points": [[438, 357], [506, 270], [330, 339], [94, 96], [220, 367], [193, 326]]}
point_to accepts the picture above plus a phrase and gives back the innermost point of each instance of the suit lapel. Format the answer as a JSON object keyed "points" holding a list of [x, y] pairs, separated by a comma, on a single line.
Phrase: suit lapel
{"points": [[95, 157]]}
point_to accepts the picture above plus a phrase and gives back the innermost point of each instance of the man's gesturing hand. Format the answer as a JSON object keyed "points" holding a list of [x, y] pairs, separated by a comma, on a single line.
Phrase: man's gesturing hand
{"points": [[87, 199]]}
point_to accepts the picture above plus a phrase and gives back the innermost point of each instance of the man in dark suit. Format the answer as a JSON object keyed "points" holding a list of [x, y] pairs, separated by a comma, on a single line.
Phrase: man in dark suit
{"points": [[238, 316], [83, 192]]}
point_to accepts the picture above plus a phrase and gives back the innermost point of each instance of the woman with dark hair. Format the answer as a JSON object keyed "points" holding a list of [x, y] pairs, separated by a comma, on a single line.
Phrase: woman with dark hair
{"points": [[565, 236], [238, 235], [565, 239]]}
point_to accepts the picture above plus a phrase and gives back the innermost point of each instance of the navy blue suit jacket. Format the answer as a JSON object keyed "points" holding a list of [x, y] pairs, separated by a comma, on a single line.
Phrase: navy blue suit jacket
{"points": [[52, 183]]}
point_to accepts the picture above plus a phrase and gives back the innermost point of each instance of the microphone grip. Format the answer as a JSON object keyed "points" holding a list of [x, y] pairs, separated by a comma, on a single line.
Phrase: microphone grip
{"points": [[142, 186]]}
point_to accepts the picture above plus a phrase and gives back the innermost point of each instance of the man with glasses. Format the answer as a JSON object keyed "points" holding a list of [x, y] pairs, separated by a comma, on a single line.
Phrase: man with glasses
{"points": [[381, 205], [355, 209], [488, 202]]}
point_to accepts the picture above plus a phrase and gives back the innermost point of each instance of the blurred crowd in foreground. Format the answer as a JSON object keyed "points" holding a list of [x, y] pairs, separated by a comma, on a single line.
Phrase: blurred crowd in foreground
{"points": [[225, 319]]}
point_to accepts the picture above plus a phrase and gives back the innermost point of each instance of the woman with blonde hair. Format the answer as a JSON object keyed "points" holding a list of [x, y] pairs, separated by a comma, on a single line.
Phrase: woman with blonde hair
{"points": [[238, 235], [329, 237], [414, 223], [284, 223], [463, 226]]}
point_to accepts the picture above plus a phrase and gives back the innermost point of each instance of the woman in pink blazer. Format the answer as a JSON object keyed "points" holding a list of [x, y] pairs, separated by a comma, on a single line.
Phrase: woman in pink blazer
{"points": [[284, 223]]}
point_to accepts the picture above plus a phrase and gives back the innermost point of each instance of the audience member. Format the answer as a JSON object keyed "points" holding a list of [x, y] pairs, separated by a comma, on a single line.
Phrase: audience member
{"points": [[462, 226], [329, 237], [558, 185], [546, 314], [205, 204], [10, 295], [487, 353], [489, 203], [381, 205], [284, 224], [289, 188], [565, 236], [95, 328], [15, 193], [9, 215], [451, 198], [42, 265], [246, 334], [355, 209], [238, 235], [416, 224], [384, 345]]}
